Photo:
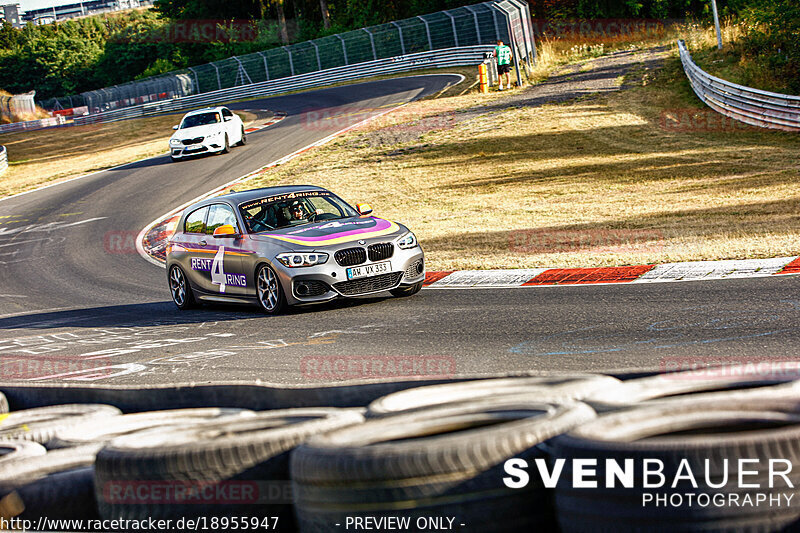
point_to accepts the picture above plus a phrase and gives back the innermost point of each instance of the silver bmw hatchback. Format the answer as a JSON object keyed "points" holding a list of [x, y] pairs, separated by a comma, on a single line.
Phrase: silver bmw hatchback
{"points": [[282, 246]]}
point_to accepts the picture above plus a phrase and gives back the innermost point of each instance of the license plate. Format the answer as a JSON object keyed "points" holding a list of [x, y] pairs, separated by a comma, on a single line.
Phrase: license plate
{"points": [[194, 146], [369, 270]]}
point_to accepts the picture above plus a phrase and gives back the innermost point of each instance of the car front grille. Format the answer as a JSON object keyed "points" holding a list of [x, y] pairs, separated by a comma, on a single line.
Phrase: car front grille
{"points": [[381, 282], [350, 256], [196, 140], [380, 251], [414, 269]]}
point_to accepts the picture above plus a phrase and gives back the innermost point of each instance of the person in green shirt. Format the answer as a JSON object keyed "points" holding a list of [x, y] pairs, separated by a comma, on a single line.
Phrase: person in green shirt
{"points": [[503, 55]]}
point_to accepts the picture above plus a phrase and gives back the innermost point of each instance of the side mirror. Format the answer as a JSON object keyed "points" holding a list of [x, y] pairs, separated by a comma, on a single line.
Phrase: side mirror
{"points": [[225, 231], [364, 209], [228, 119], [175, 127]]}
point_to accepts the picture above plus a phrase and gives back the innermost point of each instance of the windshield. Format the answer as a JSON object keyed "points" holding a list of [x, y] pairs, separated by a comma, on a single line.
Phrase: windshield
{"points": [[294, 209], [201, 119]]}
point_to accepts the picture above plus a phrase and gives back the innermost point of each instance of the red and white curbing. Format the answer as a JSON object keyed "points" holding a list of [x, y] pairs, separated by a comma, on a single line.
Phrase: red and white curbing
{"points": [[667, 272], [274, 120]]}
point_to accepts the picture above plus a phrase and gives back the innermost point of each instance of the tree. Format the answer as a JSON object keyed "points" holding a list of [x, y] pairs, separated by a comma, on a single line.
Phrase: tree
{"points": [[9, 37], [282, 21], [326, 17]]}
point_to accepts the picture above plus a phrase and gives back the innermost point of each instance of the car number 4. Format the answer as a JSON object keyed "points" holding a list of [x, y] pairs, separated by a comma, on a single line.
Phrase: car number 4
{"points": [[218, 270]]}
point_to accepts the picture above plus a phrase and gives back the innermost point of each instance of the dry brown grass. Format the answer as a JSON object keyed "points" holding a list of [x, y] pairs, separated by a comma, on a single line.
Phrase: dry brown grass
{"points": [[608, 181], [45, 156]]}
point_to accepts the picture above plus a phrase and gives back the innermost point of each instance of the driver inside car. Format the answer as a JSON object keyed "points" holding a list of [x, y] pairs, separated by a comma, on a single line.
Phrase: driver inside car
{"points": [[298, 211]]}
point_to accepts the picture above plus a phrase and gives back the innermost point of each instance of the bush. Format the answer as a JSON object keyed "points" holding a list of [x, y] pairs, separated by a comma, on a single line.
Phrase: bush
{"points": [[771, 38]]}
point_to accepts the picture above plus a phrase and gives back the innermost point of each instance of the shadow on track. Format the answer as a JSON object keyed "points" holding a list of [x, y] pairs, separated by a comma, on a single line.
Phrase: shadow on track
{"points": [[162, 314]]}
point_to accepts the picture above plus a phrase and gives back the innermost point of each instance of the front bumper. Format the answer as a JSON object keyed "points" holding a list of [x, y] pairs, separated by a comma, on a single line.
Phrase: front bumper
{"points": [[206, 147], [321, 283]]}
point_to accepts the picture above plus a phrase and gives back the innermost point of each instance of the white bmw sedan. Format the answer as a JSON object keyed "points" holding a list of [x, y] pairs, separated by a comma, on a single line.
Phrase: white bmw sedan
{"points": [[204, 131]]}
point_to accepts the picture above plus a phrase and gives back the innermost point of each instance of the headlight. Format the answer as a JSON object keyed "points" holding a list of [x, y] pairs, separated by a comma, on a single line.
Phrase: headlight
{"points": [[297, 259], [174, 142], [407, 241]]}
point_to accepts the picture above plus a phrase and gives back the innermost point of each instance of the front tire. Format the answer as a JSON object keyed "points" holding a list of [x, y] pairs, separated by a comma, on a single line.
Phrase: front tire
{"points": [[182, 295], [269, 291], [401, 292]]}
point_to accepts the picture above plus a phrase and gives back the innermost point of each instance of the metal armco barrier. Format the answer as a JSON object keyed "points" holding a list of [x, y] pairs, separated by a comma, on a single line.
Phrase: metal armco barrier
{"points": [[751, 106], [32, 125], [452, 57], [3, 159]]}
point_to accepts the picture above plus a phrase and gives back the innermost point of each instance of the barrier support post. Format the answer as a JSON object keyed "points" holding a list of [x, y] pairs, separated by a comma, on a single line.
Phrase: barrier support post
{"points": [[483, 77]]}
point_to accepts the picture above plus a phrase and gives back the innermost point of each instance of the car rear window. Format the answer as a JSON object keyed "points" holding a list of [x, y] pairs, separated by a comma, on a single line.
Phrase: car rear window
{"points": [[220, 215], [196, 221]]}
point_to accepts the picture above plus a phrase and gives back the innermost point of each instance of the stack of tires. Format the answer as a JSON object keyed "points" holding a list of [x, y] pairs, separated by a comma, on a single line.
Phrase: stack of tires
{"points": [[436, 454], [598, 455]]}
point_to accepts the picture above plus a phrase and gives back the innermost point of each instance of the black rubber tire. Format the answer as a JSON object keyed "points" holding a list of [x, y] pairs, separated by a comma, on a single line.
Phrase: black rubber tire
{"points": [[227, 146], [40, 424], [433, 463], [59, 485], [280, 306], [244, 138], [545, 389], [92, 433], [244, 451], [13, 451], [402, 292], [672, 434], [722, 384], [174, 275]]}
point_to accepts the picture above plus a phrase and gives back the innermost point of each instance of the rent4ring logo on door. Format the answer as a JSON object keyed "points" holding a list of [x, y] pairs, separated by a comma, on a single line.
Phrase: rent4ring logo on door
{"points": [[217, 268]]}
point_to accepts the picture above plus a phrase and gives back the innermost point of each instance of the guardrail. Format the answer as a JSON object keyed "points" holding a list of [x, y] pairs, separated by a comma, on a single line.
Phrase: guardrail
{"points": [[32, 124], [751, 106], [3, 159], [450, 57]]}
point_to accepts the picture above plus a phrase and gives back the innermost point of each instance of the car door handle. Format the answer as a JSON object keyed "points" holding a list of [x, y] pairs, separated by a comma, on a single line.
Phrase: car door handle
{"points": [[203, 243]]}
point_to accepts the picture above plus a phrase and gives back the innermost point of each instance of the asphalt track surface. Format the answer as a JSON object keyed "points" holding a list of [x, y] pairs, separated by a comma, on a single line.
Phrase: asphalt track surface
{"points": [[78, 304]]}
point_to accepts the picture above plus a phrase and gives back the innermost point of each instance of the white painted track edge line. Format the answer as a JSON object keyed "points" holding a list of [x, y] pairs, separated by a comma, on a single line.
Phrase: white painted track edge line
{"points": [[82, 176]]}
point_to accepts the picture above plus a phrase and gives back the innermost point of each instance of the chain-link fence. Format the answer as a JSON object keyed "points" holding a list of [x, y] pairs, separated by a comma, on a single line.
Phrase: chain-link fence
{"points": [[477, 24]]}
